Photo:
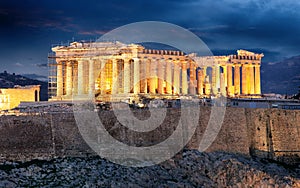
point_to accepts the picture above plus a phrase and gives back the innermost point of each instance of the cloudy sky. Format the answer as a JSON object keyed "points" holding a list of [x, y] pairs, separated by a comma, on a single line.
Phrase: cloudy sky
{"points": [[28, 28]]}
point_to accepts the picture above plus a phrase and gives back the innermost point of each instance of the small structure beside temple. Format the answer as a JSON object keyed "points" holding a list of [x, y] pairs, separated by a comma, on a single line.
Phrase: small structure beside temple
{"points": [[12, 97], [113, 71]]}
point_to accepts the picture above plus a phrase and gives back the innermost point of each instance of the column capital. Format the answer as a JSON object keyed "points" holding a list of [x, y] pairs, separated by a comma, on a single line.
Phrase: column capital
{"points": [[237, 65], [136, 59], [81, 60], [143, 59], [177, 64], [127, 61], [59, 61], [95, 59], [193, 65], [170, 60], [183, 64], [248, 65]]}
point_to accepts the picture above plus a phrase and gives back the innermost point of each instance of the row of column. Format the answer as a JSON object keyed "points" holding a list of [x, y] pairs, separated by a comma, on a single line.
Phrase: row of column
{"points": [[250, 79], [229, 81], [157, 76]]}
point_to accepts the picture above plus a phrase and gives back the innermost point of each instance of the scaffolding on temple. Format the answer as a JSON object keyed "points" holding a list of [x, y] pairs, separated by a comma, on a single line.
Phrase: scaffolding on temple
{"points": [[114, 71], [52, 75]]}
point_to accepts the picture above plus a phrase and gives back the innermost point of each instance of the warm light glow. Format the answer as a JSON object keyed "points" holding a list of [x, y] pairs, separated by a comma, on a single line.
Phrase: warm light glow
{"points": [[166, 73]]}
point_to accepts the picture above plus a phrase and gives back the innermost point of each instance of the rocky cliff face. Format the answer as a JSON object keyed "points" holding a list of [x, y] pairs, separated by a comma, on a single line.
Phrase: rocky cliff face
{"points": [[190, 168], [54, 137]]}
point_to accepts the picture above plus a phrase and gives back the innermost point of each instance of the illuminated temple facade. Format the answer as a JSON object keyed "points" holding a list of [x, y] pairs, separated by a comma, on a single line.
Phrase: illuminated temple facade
{"points": [[115, 71]]}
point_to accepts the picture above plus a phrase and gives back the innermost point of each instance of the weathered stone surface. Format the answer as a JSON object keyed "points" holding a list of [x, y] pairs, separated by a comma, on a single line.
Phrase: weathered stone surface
{"points": [[267, 133], [274, 134], [188, 169]]}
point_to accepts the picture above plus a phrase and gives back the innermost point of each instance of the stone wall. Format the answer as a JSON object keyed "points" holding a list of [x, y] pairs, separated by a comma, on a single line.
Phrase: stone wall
{"points": [[274, 133], [11, 97], [26, 137], [269, 133], [233, 135]]}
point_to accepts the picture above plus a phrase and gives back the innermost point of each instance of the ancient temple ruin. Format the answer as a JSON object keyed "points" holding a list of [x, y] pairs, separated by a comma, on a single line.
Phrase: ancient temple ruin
{"points": [[115, 71]]}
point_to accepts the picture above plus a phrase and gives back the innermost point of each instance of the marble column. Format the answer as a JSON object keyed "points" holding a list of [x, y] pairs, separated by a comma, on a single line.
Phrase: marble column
{"points": [[207, 86], [69, 78], [126, 76], [257, 79], [136, 76], [184, 78], [200, 82], [91, 89], [102, 76], [237, 79], [225, 75], [169, 76], [217, 79], [115, 83], [248, 77], [160, 75], [192, 83], [97, 70], [213, 80], [86, 77], [148, 74], [245, 76], [143, 75], [75, 78], [251, 75], [60, 79], [230, 88], [176, 78], [80, 77], [153, 76], [204, 72], [222, 84]]}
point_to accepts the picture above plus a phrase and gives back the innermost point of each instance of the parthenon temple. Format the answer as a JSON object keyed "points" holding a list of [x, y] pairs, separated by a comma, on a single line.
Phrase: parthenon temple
{"points": [[117, 71]]}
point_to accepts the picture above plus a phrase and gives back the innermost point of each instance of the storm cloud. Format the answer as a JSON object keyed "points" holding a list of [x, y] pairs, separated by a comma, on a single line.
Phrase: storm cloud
{"points": [[29, 28]]}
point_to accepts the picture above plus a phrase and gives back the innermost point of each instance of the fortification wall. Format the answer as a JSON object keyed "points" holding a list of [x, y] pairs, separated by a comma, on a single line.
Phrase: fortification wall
{"points": [[26, 137], [270, 133], [274, 134]]}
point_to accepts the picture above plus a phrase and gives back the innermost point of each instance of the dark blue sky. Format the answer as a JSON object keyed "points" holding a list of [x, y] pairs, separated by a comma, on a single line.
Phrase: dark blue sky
{"points": [[29, 28]]}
